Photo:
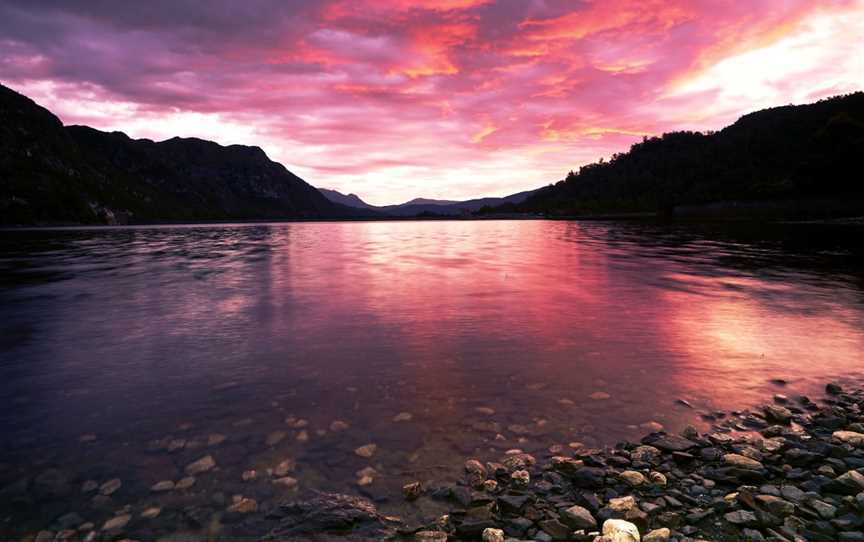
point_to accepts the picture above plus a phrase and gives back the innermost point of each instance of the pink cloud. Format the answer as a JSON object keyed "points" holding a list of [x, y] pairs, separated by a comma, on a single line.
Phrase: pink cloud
{"points": [[394, 99]]}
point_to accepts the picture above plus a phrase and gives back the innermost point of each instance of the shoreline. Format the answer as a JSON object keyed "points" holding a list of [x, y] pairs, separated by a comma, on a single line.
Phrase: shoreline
{"points": [[853, 221], [790, 469], [794, 472]]}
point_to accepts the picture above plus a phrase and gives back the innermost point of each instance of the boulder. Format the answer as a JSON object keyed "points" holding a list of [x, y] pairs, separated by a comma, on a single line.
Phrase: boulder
{"points": [[328, 513]]}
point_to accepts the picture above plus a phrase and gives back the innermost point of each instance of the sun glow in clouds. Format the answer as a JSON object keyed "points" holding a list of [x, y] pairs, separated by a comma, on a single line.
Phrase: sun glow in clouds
{"points": [[452, 99]]}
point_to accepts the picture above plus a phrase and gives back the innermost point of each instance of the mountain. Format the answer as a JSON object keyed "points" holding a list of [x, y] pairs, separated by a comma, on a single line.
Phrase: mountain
{"points": [[351, 200], [792, 161], [50, 173], [427, 201], [426, 207]]}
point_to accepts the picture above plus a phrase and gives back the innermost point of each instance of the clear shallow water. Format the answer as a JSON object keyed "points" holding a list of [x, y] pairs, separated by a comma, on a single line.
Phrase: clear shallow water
{"points": [[131, 335]]}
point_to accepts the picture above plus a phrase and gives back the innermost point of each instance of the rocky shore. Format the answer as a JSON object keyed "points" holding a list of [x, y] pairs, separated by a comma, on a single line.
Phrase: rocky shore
{"points": [[792, 470]]}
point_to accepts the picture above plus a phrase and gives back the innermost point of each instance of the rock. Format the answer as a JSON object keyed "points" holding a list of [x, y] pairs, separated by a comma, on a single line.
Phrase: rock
{"points": [[486, 411], [185, 483], [566, 465], [249, 475], [284, 467], [651, 426], [577, 518], [645, 454], [475, 468], [492, 535], [151, 513], [165, 485], [632, 478], [825, 510], [328, 513], [618, 530], [520, 478], [742, 518], [116, 523], [403, 417], [775, 505], [777, 414], [275, 438], [669, 443], [44, 536], [850, 483], [216, 439], [742, 462], [555, 529], [512, 504], [244, 506], [658, 535], [204, 464], [367, 450], [690, 433], [412, 491], [622, 504], [657, 478], [833, 388], [175, 445], [850, 437], [110, 487], [792, 493], [600, 396], [89, 486], [518, 461], [286, 482], [430, 536]]}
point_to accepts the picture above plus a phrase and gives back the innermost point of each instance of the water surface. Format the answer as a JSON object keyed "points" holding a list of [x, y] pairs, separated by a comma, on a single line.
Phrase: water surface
{"points": [[488, 335]]}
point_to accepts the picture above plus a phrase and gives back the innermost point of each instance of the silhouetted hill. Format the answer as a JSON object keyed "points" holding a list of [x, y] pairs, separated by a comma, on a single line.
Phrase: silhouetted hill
{"points": [[50, 173], [351, 200], [424, 206], [794, 154]]}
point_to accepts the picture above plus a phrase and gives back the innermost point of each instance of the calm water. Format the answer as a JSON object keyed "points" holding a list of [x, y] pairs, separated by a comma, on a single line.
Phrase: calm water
{"points": [[115, 338]]}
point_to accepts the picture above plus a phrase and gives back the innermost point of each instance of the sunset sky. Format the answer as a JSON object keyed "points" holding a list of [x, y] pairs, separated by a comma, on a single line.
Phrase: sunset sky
{"points": [[392, 99]]}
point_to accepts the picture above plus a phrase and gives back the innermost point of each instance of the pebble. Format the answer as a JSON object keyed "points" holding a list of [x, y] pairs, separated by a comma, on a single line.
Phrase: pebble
{"points": [[286, 482], [151, 513], [185, 483], [275, 438], [117, 522], [367, 450], [403, 417], [204, 464], [110, 487], [493, 535], [165, 485], [339, 425], [244, 506], [412, 491], [600, 396]]}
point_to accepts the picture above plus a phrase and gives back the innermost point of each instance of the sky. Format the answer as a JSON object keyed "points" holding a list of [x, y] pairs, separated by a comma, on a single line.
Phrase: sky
{"points": [[452, 99]]}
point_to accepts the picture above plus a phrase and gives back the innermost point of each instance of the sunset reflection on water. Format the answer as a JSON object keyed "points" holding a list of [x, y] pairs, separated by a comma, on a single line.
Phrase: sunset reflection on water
{"points": [[128, 333]]}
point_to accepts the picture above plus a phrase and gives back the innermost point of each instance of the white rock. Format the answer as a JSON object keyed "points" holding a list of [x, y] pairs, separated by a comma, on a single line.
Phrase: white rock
{"points": [[618, 530]]}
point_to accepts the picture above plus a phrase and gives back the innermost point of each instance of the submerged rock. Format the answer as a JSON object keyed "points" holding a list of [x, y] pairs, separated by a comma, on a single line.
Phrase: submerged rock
{"points": [[367, 450], [204, 464], [328, 513]]}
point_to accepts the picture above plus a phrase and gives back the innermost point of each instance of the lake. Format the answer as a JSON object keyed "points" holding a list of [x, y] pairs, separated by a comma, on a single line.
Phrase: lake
{"points": [[128, 353]]}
